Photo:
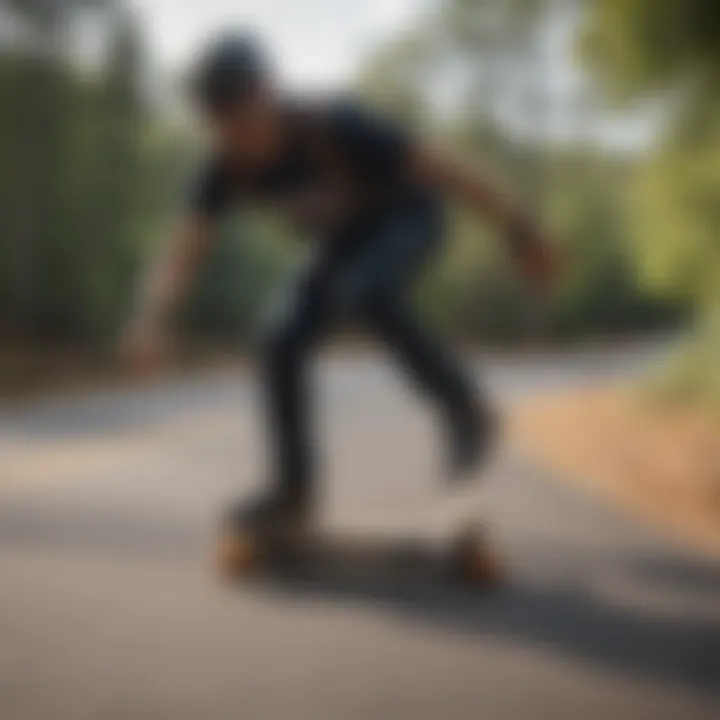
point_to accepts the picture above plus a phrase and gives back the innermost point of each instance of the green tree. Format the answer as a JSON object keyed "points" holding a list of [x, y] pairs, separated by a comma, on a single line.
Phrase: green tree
{"points": [[671, 50], [36, 86], [490, 55], [79, 175]]}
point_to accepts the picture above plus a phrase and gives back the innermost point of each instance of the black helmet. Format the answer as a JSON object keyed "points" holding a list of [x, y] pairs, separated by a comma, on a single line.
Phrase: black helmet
{"points": [[229, 70]]}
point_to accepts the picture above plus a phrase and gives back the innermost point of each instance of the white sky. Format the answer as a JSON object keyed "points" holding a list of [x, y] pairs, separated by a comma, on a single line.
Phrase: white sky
{"points": [[317, 42]]}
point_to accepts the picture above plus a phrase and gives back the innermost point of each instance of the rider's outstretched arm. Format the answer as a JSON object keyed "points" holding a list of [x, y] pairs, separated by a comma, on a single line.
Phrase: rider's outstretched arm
{"points": [[533, 252], [161, 291]]}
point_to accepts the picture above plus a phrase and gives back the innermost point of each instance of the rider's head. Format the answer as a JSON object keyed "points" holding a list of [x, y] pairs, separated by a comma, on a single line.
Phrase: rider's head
{"points": [[232, 86]]}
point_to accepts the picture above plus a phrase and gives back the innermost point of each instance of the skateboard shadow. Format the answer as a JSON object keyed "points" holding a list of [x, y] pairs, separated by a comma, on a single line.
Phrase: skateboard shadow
{"points": [[573, 621], [686, 573]]}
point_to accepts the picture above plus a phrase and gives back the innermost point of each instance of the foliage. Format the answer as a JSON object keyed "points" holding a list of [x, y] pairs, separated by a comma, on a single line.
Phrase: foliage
{"points": [[637, 47], [71, 188], [244, 270], [672, 49], [483, 48], [90, 171]]}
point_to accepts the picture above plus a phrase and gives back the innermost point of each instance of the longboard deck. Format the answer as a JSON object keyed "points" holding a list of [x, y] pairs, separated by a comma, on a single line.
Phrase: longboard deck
{"points": [[468, 555], [445, 539]]}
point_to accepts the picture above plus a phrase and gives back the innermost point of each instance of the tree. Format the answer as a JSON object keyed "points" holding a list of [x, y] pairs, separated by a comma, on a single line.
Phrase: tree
{"points": [[671, 50], [116, 208], [37, 97], [71, 205]]}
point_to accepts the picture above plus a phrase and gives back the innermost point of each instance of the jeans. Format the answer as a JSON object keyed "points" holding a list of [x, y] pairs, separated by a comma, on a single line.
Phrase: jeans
{"points": [[367, 273]]}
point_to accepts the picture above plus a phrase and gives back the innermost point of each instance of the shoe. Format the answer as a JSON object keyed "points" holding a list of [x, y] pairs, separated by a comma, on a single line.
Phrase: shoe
{"points": [[472, 437], [269, 513]]}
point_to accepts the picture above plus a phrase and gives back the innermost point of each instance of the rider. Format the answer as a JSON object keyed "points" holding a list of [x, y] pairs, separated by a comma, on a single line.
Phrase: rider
{"points": [[372, 198]]}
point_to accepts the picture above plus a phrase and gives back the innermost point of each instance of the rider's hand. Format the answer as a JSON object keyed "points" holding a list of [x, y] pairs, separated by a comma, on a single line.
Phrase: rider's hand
{"points": [[144, 348], [536, 257], [540, 263]]}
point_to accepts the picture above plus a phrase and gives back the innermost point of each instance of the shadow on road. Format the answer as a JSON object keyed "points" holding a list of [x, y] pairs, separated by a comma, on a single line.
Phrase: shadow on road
{"points": [[572, 622], [569, 620], [675, 573]]}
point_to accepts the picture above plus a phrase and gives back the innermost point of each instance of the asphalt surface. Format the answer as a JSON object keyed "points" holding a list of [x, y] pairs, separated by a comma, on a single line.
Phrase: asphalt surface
{"points": [[109, 609]]}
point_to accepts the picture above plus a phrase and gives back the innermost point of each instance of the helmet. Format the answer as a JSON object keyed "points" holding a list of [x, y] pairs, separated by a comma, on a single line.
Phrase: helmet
{"points": [[228, 72]]}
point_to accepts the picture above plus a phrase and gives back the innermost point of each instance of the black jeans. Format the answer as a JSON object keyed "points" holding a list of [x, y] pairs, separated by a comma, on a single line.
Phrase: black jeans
{"points": [[367, 273]]}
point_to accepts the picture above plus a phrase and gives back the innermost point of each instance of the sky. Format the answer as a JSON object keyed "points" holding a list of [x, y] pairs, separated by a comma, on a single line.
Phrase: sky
{"points": [[317, 42]]}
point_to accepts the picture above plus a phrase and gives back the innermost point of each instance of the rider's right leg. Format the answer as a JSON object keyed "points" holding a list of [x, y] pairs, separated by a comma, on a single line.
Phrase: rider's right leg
{"points": [[379, 283], [468, 419], [287, 343]]}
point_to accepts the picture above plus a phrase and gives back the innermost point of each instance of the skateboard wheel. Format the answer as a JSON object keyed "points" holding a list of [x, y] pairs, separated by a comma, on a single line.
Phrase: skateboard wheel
{"points": [[475, 561], [237, 554], [483, 567]]}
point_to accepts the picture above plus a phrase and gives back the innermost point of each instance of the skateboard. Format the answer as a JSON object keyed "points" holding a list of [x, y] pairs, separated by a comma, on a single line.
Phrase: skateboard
{"points": [[465, 554]]}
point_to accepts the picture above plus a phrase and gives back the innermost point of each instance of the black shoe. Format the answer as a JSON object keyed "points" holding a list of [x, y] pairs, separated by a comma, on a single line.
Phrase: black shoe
{"points": [[269, 513], [472, 437]]}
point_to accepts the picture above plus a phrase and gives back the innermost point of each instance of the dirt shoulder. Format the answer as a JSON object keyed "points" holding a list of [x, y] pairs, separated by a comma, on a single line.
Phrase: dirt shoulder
{"points": [[661, 462]]}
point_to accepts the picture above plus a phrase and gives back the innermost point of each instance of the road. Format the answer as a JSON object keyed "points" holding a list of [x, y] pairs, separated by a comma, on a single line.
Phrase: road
{"points": [[108, 609]]}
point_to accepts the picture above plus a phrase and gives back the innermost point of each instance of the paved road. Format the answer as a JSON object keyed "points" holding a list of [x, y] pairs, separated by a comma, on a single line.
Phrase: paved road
{"points": [[108, 610]]}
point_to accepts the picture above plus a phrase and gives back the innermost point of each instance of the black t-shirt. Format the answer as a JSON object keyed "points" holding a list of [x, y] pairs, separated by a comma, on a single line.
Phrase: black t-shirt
{"points": [[341, 163]]}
